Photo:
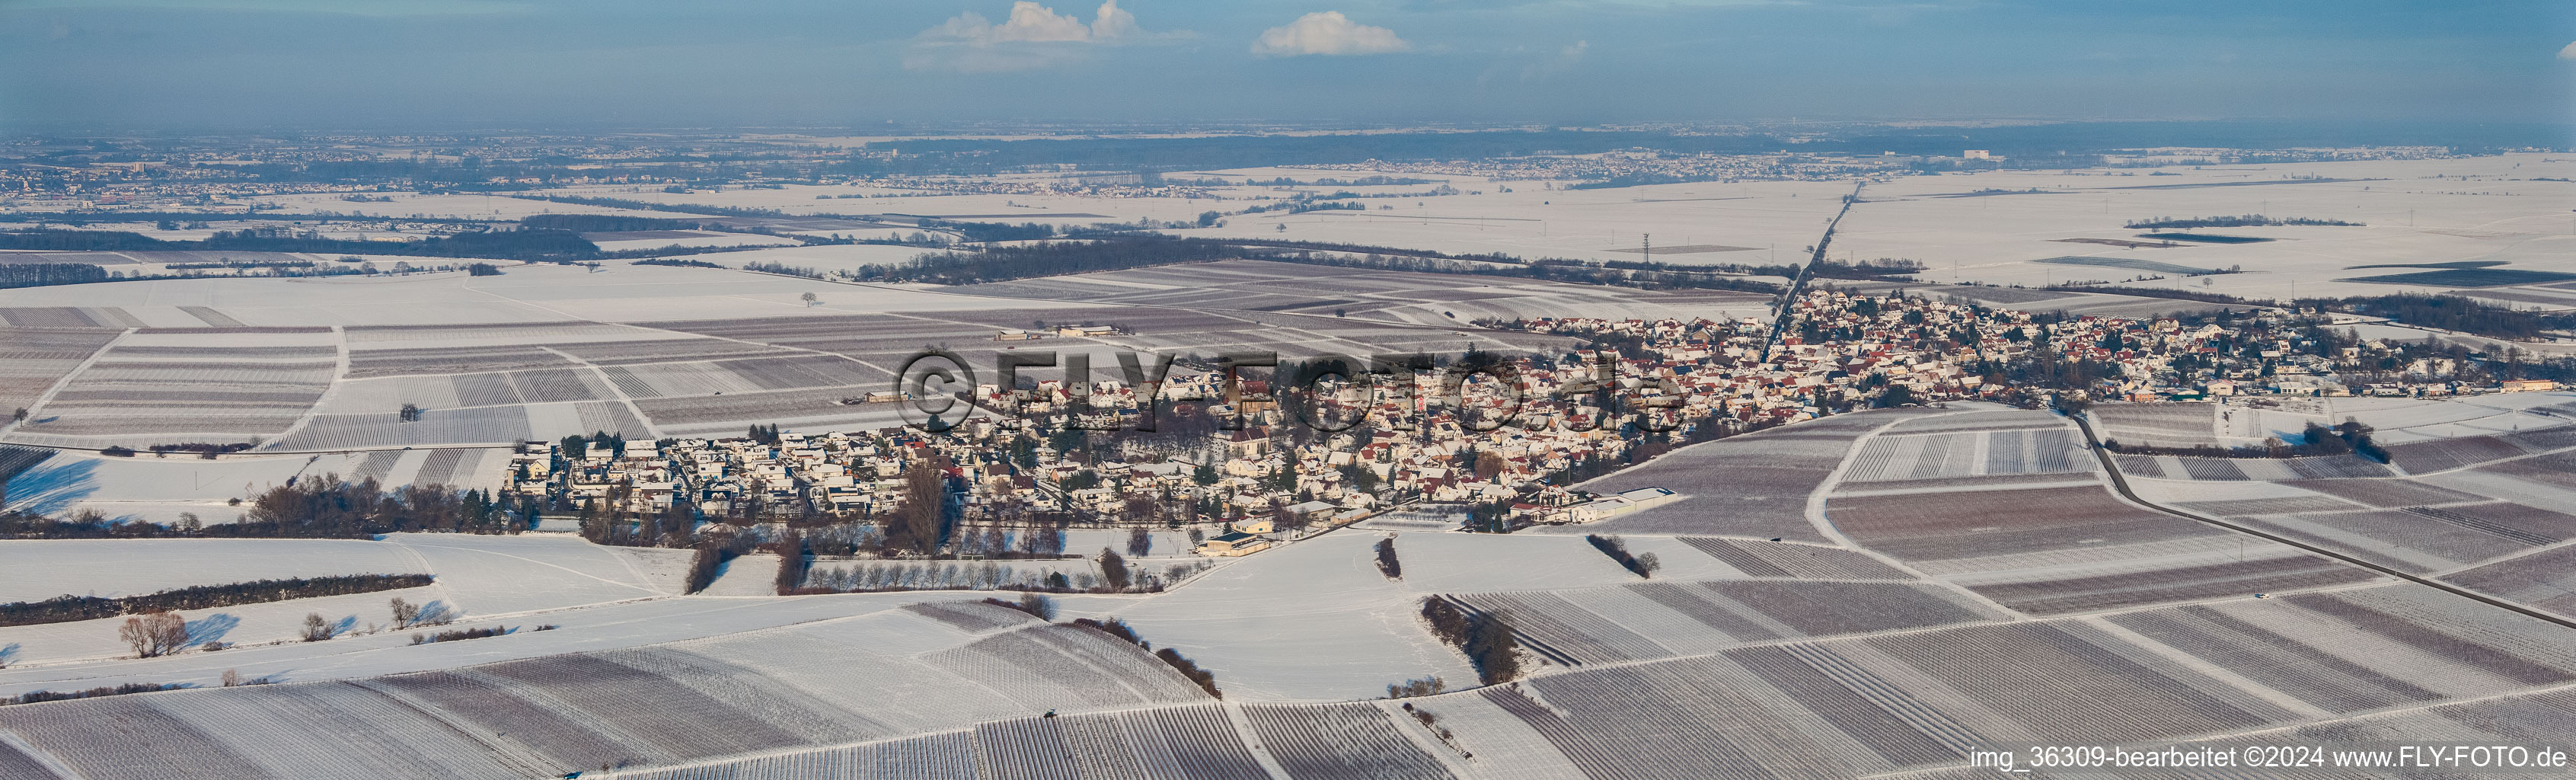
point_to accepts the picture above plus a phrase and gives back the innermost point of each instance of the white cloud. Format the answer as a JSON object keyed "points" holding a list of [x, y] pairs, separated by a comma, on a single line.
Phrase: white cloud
{"points": [[2568, 53], [1565, 60], [1032, 36], [1328, 32]]}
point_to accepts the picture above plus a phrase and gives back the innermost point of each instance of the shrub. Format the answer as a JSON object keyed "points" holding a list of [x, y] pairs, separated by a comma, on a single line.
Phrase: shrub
{"points": [[1485, 637], [1190, 669], [32, 697], [1641, 565], [1114, 627], [1427, 686], [1492, 648], [469, 633], [1386, 562], [316, 628], [1448, 622], [792, 563], [1113, 569], [1040, 606]]}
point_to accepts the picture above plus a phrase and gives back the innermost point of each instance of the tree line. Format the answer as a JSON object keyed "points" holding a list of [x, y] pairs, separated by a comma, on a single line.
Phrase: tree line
{"points": [[1485, 636], [533, 244], [44, 274], [2240, 220], [67, 608]]}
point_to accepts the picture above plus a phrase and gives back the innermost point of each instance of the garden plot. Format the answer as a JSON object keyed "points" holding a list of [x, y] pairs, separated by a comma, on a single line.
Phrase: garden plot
{"points": [[1661, 619], [1044, 665], [2249, 469], [368, 363], [1698, 717], [221, 398], [2046, 681], [1961, 454], [817, 406], [499, 333], [34, 359], [1494, 743], [2075, 549], [2545, 579], [2395, 636], [1785, 559], [2163, 425], [936, 755], [330, 730], [2420, 539], [1997, 420], [678, 349], [1754, 485], [2269, 571], [1170, 743], [1966, 525], [1354, 741], [495, 426]]}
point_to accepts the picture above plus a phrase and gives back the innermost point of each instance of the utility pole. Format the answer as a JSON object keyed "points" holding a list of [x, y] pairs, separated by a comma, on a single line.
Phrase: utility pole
{"points": [[1646, 245]]}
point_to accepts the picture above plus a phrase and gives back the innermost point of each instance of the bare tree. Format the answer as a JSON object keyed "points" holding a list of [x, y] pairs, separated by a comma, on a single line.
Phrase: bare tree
{"points": [[155, 634], [315, 627], [405, 612], [232, 677]]}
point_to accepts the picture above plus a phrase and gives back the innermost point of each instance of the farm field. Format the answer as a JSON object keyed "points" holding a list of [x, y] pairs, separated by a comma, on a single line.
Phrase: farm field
{"points": [[2482, 510], [1755, 485], [545, 351], [1925, 611], [1877, 592], [2015, 220]]}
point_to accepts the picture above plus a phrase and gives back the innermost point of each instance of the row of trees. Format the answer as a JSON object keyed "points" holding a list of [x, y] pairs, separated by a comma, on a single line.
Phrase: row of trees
{"points": [[1642, 565], [331, 507], [67, 608], [2348, 437], [1486, 637]]}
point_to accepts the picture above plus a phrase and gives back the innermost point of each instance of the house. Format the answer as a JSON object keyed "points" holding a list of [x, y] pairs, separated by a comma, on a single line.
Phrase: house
{"points": [[1313, 511], [2529, 385], [1253, 525], [1233, 545]]}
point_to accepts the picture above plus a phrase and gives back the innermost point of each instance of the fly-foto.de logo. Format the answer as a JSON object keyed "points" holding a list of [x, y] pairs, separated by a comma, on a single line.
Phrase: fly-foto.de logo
{"points": [[1477, 391]]}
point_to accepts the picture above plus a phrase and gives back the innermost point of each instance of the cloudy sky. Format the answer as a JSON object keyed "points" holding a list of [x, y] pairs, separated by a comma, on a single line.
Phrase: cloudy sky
{"points": [[464, 64]]}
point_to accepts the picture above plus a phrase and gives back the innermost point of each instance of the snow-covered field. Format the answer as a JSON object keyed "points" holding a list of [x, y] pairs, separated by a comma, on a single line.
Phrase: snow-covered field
{"points": [[1921, 631], [2415, 212]]}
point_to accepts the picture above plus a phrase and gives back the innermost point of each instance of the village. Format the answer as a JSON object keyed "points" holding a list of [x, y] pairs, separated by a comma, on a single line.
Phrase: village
{"points": [[1482, 442]]}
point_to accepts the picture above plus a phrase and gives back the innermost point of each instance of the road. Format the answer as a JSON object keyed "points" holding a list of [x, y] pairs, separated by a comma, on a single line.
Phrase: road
{"points": [[1798, 286]]}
